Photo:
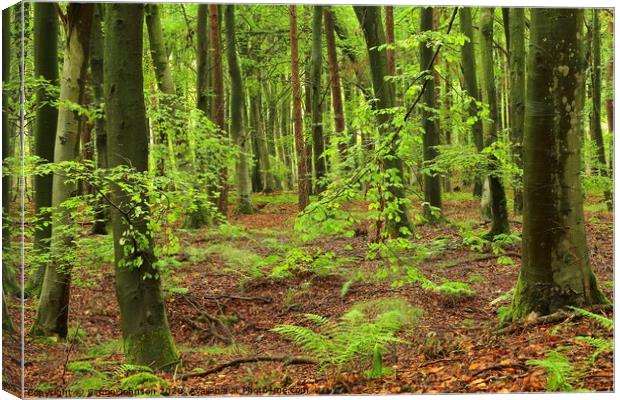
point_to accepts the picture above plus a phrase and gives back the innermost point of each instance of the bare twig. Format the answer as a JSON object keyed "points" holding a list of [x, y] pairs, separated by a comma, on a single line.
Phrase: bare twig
{"points": [[287, 360]]}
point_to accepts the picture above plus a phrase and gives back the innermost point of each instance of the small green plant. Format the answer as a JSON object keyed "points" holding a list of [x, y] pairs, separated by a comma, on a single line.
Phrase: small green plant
{"points": [[126, 369], [601, 345], [558, 369], [106, 349], [475, 278], [360, 336], [144, 382], [178, 290], [88, 385], [599, 319], [452, 289], [76, 334], [80, 367]]}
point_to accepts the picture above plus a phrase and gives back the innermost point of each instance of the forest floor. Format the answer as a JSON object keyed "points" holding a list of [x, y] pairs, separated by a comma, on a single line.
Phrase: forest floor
{"points": [[221, 307]]}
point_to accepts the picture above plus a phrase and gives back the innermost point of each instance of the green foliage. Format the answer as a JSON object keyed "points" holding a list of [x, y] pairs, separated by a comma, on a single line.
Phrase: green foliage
{"points": [[76, 334], [601, 320], [125, 369], [360, 336], [601, 345], [144, 382], [106, 349], [559, 371], [452, 289], [88, 385], [301, 261], [79, 367]]}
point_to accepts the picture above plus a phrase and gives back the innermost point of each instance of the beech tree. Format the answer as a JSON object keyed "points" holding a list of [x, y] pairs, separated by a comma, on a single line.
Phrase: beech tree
{"points": [[316, 61], [555, 268], [146, 335]]}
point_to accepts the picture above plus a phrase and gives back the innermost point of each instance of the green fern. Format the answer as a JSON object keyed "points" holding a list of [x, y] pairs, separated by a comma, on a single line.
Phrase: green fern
{"points": [[601, 345], [558, 369], [126, 369], [361, 335], [605, 322]]}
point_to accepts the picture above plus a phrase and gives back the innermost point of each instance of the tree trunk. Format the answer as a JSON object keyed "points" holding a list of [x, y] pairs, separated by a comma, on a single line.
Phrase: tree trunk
{"points": [[46, 67], [237, 111], [499, 209], [9, 281], [516, 27], [303, 179], [556, 271], [596, 131], [470, 80], [218, 101], [389, 37], [201, 59], [96, 71], [53, 311], [318, 145], [432, 180], [334, 80], [146, 335], [370, 21]]}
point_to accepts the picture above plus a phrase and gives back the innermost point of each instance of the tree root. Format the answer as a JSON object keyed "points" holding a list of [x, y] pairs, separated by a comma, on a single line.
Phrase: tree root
{"points": [[287, 360]]}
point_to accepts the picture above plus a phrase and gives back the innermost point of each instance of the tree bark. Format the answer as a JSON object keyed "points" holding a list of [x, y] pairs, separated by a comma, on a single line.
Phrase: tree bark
{"points": [[201, 59], [470, 80], [318, 145], [430, 139], [45, 67], [218, 101], [146, 335], [303, 179], [237, 111], [370, 22], [555, 271], [516, 37], [53, 310], [334, 80], [96, 71], [499, 209], [389, 37]]}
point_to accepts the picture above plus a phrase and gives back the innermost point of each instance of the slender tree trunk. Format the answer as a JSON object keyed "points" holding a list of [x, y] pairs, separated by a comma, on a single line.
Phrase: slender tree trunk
{"points": [[45, 67], [96, 71], [389, 37], [146, 335], [9, 281], [303, 179], [470, 80], [555, 271], [370, 21], [53, 311], [516, 53], [201, 59], [334, 80], [285, 141], [432, 180], [218, 100], [237, 111], [499, 209], [318, 145], [596, 131]]}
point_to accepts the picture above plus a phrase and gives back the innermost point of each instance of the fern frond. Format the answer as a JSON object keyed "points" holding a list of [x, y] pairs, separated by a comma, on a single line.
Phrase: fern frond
{"points": [[558, 369], [601, 345], [126, 369], [605, 322]]}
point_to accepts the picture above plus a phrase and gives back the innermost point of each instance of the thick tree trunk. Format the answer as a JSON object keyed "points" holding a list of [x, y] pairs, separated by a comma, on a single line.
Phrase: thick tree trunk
{"points": [[470, 80], [334, 80], [202, 50], [432, 181], [46, 67], [370, 21], [516, 27], [237, 111], [96, 71], [53, 311], [146, 335], [318, 145], [218, 101], [556, 271], [499, 209], [303, 179]]}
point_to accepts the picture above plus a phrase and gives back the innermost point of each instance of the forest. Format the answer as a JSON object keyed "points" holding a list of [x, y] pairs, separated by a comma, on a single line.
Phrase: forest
{"points": [[208, 199]]}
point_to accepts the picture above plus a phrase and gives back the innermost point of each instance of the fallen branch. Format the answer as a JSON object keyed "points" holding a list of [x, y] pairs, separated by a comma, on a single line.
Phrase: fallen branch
{"points": [[265, 300], [498, 367], [287, 360], [480, 258]]}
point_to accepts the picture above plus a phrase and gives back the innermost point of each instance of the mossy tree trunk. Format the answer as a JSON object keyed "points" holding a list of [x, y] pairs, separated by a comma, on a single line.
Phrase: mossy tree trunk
{"points": [[555, 270], [53, 310], [316, 62], [303, 178], [369, 18], [499, 209], [101, 146], [516, 37], [470, 83], [237, 115], [430, 139], [146, 335]]}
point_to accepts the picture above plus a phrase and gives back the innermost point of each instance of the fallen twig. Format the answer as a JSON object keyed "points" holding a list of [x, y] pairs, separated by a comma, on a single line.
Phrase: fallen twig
{"points": [[499, 366], [480, 258], [265, 300], [287, 360]]}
